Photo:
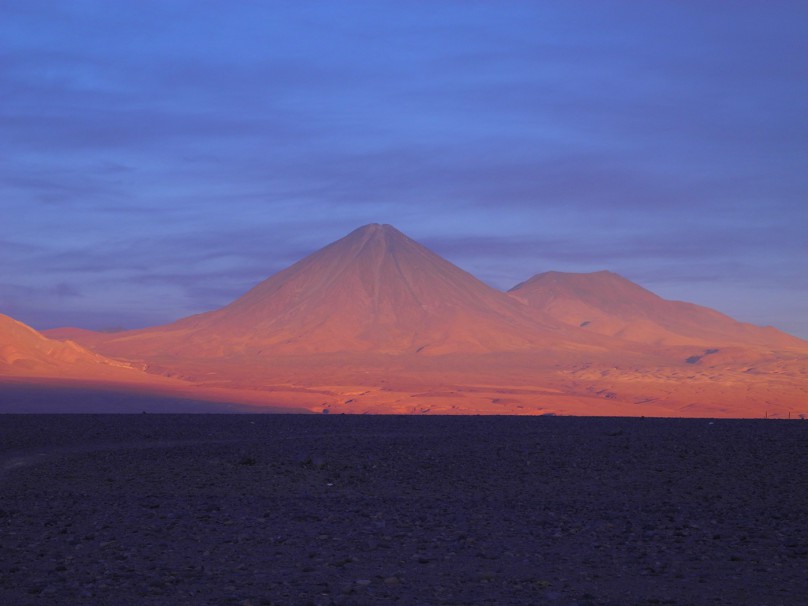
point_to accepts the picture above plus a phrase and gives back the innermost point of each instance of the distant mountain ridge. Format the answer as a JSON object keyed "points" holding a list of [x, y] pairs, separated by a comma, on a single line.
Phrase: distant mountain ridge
{"points": [[24, 351], [608, 304], [376, 322]]}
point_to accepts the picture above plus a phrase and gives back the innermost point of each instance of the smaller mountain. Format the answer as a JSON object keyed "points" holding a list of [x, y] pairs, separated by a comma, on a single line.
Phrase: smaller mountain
{"points": [[26, 352], [606, 303]]}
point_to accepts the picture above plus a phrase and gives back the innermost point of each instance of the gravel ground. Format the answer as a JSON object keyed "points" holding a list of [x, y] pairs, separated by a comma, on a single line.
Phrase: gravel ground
{"points": [[276, 509]]}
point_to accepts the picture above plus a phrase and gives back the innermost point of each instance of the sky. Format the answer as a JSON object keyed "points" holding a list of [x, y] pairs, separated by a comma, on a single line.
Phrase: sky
{"points": [[160, 158]]}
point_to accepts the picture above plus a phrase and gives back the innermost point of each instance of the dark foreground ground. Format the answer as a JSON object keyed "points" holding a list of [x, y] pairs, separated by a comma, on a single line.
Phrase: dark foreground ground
{"points": [[242, 509]]}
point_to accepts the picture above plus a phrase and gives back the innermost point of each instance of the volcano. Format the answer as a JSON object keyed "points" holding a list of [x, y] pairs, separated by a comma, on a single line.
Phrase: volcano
{"points": [[375, 290]]}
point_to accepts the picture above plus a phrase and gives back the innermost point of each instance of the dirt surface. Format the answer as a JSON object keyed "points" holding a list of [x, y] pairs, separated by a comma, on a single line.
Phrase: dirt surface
{"points": [[331, 509]]}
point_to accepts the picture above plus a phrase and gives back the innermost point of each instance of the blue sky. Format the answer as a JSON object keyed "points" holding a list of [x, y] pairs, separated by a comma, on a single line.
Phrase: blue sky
{"points": [[157, 159]]}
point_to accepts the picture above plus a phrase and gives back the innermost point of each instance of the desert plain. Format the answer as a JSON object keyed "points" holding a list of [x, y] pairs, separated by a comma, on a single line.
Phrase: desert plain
{"points": [[242, 509]]}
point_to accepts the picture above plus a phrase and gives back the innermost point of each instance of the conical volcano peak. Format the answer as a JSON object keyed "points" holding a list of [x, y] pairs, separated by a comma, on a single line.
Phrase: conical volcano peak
{"points": [[373, 290], [372, 241], [377, 231], [377, 228]]}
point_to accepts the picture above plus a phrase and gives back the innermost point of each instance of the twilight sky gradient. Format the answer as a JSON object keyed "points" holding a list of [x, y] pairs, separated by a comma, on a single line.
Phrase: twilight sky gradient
{"points": [[159, 158]]}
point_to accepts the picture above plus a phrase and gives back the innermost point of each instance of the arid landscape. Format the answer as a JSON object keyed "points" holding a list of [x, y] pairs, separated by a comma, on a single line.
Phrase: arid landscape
{"points": [[415, 303], [324, 510], [377, 323]]}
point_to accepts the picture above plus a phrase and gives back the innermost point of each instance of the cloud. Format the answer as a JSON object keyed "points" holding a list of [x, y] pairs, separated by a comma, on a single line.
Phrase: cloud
{"points": [[189, 150]]}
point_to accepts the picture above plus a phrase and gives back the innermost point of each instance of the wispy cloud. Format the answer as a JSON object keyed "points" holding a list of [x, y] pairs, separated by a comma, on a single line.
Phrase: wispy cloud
{"points": [[159, 156]]}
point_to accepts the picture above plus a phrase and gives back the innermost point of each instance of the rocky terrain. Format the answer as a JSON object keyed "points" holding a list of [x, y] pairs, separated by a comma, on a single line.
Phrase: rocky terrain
{"points": [[154, 509]]}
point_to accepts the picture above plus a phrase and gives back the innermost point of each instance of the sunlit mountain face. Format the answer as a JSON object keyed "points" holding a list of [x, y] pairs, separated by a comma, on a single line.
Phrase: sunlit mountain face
{"points": [[376, 322]]}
